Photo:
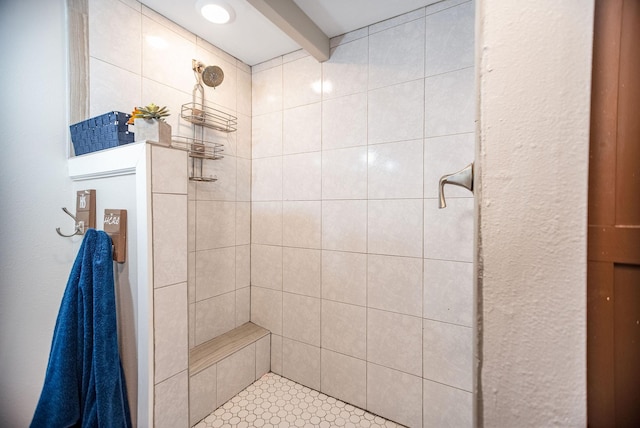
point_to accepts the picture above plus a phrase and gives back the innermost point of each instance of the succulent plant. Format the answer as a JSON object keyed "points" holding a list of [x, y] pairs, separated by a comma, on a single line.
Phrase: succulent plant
{"points": [[150, 111]]}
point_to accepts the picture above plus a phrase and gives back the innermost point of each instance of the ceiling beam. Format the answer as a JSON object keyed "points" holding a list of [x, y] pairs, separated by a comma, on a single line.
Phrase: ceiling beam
{"points": [[287, 16]]}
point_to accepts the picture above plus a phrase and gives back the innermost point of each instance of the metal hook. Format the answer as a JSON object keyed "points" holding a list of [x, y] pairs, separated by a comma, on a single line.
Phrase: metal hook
{"points": [[79, 225]]}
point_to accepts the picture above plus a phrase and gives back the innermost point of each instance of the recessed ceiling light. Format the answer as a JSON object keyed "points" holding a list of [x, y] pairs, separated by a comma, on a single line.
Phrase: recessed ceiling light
{"points": [[217, 12]]}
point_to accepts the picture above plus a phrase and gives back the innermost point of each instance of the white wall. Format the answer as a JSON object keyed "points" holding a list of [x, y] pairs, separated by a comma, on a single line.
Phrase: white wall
{"points": [[34, 185], [535, 71]]}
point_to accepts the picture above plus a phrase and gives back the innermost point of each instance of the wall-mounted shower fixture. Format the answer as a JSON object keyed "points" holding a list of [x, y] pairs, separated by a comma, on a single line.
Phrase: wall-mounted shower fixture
{"points": [[211, 75], [462, 178]]}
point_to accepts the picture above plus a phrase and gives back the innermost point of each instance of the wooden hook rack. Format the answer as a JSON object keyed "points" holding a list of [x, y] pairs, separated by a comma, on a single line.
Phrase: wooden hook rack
{"points": [[115, 225]]}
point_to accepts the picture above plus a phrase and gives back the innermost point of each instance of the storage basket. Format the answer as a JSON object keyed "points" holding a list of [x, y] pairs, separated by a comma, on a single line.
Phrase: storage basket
{"points": [[101, 132]]}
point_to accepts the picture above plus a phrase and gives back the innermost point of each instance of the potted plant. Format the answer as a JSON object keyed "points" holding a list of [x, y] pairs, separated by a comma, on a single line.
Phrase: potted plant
{"points": [[150, 125]]}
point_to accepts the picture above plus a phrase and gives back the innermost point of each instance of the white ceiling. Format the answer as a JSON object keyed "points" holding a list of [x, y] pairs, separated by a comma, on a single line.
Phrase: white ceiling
{"points": [[253, 39]]}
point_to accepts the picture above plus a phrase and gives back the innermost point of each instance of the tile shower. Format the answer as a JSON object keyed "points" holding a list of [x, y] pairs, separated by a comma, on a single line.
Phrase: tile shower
{"points": [[323, 226]]}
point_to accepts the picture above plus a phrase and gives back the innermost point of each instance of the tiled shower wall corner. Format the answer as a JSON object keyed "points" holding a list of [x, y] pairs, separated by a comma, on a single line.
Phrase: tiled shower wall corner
{"points": [[365, 284], [194, 278]]}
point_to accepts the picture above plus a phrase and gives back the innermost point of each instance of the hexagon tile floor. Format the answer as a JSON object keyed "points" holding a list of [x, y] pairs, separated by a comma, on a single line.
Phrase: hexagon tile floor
{"points": [[273, 401]]}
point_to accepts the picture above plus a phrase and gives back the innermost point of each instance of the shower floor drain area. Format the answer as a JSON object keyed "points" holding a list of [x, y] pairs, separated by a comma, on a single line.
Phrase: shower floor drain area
{"points": [[274, 401]]}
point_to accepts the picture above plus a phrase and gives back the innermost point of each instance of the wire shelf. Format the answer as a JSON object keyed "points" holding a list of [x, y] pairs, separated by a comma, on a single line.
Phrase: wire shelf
{"points": [[208, 117], [198, 148]]}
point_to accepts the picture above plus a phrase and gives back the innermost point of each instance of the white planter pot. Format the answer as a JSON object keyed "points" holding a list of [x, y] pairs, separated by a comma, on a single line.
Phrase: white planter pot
{"points": [[152, 130]]}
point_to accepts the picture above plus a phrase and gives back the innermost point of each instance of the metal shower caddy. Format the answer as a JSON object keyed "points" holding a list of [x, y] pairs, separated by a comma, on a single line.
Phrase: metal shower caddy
{"points": [[203, 116]]}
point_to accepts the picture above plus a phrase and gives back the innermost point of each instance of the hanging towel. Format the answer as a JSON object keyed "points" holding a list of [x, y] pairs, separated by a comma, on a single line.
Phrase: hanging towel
{"points": [[84, 384]]}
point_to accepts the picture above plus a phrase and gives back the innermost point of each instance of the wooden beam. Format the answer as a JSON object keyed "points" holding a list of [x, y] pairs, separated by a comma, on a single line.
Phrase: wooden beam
{"points": [[287, 16]]}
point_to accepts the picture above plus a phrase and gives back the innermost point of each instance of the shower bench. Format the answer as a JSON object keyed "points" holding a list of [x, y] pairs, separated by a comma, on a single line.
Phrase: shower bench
{"points": [[225, 365]]}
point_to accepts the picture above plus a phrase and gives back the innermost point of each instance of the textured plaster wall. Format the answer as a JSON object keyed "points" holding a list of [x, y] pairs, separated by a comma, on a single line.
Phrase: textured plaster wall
{"points": [[534, 95]]}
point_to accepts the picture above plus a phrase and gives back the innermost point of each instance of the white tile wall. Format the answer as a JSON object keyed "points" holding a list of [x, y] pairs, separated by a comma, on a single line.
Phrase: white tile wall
{"points": [[362, 237]]}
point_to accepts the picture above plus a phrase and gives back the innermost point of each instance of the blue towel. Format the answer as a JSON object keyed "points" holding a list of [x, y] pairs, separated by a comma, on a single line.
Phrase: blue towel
{"points": [[84, 385]]}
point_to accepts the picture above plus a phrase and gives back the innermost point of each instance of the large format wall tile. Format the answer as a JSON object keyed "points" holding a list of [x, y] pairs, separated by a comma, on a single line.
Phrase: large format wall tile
{"points": [[302, 224], [448, 354], [171, 405], [450, 103], [202, 394], [396, 55], [266, 179], [394, 227], [215, 316], [301, 271], [124, 51], [344, 225], [450, 39], [344, 328], [395, 284], [344, 173], [301, 179], [394, 340], [301, 129], [215, 224], [395, 394], [266, 311], [301, 363], [266, 266], [236, 372], [344, 377], [344, 122], [448, 291], [302, 82], [445, 406], [301, 318], [266, 223], [448, 233], [266, 89], [345, 72], [169, 239], [266, 137], [344, 277], [170, 331], [395, 170], [215, 272], [172, 70], [390, 120]]}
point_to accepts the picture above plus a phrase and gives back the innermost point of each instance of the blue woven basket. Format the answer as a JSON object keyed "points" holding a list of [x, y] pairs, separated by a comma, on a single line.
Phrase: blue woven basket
{"points": [[101, 132]]}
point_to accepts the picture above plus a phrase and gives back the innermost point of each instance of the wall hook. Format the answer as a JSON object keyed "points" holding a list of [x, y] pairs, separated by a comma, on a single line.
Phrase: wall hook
{"points": [[85, 216], [79, 225]]}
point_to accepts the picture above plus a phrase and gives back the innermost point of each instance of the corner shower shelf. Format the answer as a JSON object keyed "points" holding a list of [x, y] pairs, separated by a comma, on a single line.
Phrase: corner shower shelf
{"points": [[202, 115]]}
